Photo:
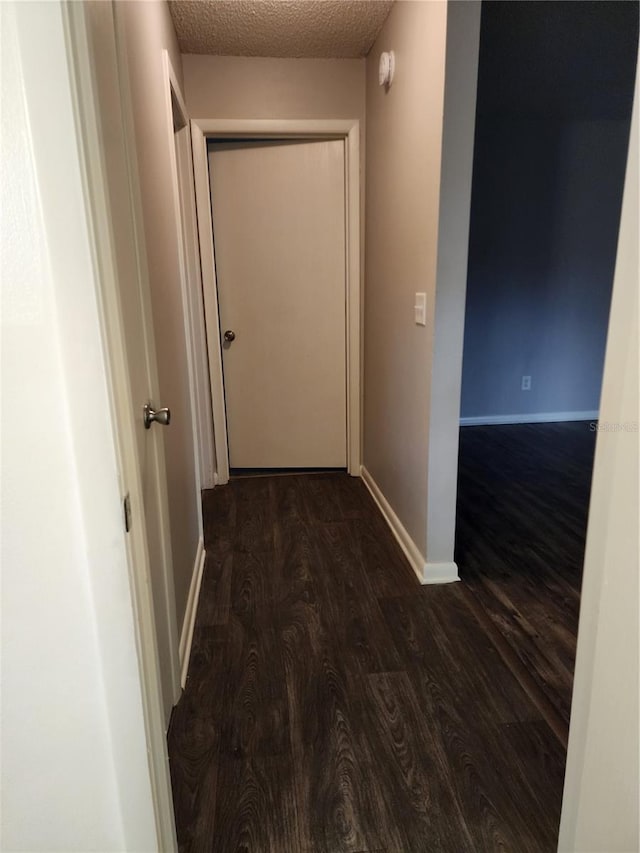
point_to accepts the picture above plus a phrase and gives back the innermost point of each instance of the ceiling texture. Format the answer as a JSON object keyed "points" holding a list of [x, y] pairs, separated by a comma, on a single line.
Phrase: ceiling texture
{"points": [[285, 28]]}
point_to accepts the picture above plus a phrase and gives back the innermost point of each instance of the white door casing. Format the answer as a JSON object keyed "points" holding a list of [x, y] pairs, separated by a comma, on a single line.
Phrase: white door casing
{"points": [[190, 282], [190, 277], [279, 225], [203, 129]]}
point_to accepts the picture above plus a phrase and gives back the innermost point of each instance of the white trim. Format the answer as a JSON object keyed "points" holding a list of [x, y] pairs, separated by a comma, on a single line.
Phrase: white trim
{"points": [[178, 115], [354, 299], [427, 573], [349, 130], [210, 294], [186, 635], [435, 573], [536, 418], [276, 128], [184, 206], [171, 77], [409, 547]]}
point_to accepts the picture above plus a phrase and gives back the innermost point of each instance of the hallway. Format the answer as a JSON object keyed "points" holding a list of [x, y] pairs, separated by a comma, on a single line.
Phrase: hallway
{"points": [[334, 704]]}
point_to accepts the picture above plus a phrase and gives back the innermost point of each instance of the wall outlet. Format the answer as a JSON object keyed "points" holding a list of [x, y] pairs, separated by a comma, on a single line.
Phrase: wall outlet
{"points": [[420, 309], [526, 383]]}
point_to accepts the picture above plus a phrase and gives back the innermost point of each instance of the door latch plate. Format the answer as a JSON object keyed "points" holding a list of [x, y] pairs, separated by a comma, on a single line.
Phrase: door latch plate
{"points": [[127, 512]]}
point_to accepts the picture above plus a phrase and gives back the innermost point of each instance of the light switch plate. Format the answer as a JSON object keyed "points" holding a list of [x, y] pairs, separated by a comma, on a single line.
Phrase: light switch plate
{"points": [[420, 309]]}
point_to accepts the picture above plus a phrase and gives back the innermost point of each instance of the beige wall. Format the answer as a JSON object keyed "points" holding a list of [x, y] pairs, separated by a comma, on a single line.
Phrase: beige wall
{"points": [[601, 792], [404, 137], [149, 30], [261, 88], [254, 87], [463, 43]]}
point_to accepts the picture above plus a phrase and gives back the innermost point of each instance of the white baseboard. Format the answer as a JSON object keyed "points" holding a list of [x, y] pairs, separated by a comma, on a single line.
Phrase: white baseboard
{"points": [[532, 418], [427, 573], [411, 550], [440, 573], [188, 625]]}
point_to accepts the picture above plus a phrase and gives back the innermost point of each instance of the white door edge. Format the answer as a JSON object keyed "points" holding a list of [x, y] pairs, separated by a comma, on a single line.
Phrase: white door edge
{"points": [[193, 313], [159, 456], [201, 131]]}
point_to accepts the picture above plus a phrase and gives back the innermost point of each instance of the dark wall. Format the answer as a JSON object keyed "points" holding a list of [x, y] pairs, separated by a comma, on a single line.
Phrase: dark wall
{"points": [[554, 97]]}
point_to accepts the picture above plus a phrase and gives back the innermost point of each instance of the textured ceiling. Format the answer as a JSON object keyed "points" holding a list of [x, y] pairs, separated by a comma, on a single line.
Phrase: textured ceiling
{"points": [[295, 28]]}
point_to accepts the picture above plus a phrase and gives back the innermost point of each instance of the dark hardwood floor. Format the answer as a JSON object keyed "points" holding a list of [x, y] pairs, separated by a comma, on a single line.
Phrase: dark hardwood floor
{"points": [[523, 499], [333, 704]]}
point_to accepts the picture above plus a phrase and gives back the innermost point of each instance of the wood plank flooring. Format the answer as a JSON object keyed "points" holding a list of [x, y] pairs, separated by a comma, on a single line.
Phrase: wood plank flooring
{"points": [[523, 499], [333, 705]]}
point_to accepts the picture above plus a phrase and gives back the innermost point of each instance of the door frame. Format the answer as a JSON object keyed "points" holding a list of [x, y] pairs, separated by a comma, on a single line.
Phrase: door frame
{"points": [[184, 214], [202, 130], [183, 208]]}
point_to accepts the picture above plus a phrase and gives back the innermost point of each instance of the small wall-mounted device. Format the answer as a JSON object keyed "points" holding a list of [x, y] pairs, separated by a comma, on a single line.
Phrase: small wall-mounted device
{"points": [[386, 68]]}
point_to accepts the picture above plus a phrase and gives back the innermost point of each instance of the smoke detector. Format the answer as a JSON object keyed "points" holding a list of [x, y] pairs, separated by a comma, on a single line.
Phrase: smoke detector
{"points": [[386, 68]]}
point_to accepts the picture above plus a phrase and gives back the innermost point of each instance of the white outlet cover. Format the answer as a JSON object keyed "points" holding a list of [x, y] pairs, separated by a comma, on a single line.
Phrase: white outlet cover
{"points": [[420, 309]]}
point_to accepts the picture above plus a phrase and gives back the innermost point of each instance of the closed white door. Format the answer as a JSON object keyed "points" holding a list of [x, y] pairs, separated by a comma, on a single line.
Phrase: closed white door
{"points": [[279, 225], [134, 311]]}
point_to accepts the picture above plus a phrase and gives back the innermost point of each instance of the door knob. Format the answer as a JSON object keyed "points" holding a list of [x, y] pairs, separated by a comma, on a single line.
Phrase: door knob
{"points": [[149, 416], [229, 336]]}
